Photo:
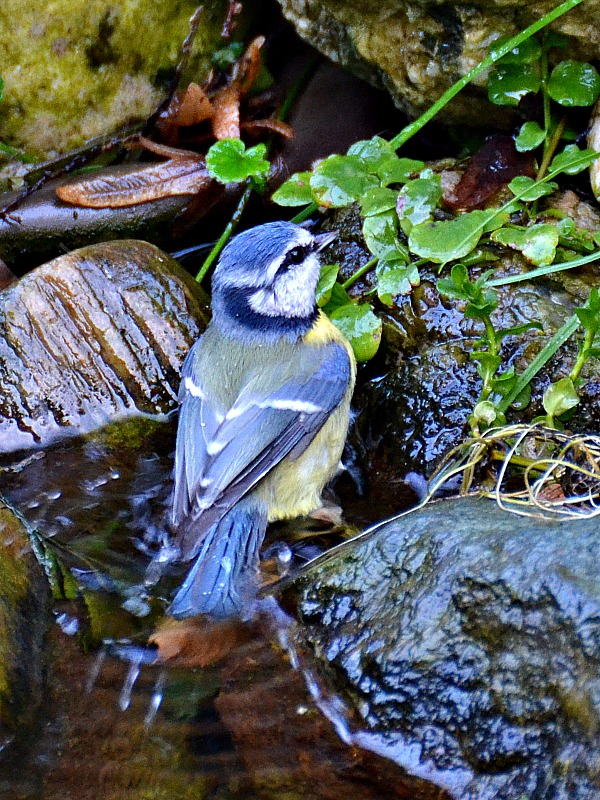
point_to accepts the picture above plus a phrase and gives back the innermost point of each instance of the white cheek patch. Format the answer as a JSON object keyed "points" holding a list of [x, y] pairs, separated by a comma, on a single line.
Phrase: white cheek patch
{"points": [[292, 294]]}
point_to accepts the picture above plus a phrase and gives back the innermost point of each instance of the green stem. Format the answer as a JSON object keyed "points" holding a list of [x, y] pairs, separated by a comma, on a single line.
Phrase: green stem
{"points": [[298, 86], [582, 357], [546, 103], [498, 53], [550, 146], [226, 235], [542, 358], [549, 270], [305, 213], [359, 273], [490, 333]]}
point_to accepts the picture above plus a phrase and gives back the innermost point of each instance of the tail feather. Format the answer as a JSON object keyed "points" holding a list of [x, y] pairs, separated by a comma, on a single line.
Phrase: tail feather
{"points": [[223, 573]]}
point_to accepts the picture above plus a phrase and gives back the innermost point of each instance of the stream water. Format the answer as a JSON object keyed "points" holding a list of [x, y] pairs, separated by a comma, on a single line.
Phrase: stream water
{"points": [[138, 705]]}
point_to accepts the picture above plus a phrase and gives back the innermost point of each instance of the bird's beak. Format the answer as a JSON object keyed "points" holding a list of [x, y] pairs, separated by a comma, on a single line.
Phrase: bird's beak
{"points": [[323, 239]]}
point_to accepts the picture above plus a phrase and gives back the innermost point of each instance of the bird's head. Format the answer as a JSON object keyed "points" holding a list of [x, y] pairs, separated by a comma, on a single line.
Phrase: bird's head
{"points": [[265, 281]]}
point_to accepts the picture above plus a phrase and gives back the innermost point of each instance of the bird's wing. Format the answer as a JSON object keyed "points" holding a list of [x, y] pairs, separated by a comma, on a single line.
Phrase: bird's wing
{"points": [[221, 455]]}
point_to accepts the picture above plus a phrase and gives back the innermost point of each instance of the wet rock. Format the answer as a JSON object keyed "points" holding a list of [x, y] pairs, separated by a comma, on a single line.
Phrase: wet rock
{"points": [[418, 49], [465, 640], [93, 335], [416, 396], [88, 68], [24, 622], [42, 226]]}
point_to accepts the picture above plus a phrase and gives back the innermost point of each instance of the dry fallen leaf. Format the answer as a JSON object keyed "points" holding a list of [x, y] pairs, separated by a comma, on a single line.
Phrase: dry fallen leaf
{"points": [[196, 642], [140, 185]]}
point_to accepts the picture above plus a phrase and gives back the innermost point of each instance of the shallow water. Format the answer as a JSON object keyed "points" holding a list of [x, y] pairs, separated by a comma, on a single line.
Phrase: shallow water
{"points": [[139, 705]]}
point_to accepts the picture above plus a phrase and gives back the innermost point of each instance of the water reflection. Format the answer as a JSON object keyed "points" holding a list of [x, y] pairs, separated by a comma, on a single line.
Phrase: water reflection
{"points": [[142, 706]]}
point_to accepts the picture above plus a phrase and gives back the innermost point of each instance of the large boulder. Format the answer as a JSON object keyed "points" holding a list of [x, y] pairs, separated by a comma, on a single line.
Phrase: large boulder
{"points": [[466, 641], [96, 334], [417, 49]]}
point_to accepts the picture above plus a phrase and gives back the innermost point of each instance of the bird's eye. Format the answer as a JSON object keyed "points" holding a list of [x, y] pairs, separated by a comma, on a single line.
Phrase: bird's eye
{"points": [[296, 255]]}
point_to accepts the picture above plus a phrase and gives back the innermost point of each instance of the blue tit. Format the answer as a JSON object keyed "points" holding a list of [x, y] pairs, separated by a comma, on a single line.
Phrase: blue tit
{"points": [[264, 409]]}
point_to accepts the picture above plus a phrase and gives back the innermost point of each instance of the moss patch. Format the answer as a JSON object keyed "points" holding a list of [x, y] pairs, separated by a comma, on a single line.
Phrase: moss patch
{"points": [[76, 69]]}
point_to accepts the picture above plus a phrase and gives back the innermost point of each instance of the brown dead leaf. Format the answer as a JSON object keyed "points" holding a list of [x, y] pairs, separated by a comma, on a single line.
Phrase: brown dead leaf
{"points": [[196, 642], [273, 125], [226, 119], [178, 176], [195, 107]]}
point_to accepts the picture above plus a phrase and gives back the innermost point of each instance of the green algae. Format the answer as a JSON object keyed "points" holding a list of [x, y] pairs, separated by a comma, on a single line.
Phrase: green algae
{"points": [[77, 69]]}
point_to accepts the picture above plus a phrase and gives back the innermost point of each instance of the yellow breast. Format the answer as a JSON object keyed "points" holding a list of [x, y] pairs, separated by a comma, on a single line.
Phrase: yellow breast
{"points": [[324, 331]]}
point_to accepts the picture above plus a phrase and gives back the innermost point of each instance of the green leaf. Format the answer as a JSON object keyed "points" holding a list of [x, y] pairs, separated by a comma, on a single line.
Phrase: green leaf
{"points": [[228, 161], [481, 300], [529, 137], [341, 180], [418, 199], [527, 52], [361, 327], [565, 227], [381, 236], [398, 170], [589, 315], [485, 413], [373, 152], [227, 56], [560, 397], [517, 330], [448, 240], [528, 190], [507, 85], [295, 191], [394, 280], [574, 83], [537, 243], [327, 278], [487, 364], [572, 160], [338, 297], [377, 200]]}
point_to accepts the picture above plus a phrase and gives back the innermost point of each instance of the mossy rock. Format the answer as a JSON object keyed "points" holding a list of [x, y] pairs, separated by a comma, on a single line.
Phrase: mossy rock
{"points": [[24, 622], [79, 69]]}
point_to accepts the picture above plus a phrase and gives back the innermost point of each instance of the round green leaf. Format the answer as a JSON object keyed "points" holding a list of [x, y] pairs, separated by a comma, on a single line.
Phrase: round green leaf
{"points": [[378, 200], [574, 83], [560, 397], [341, 180], [373, 152], [394, 280], [228, 161], [448, 240], [418, 199], [537, 243], [381, 236], [529, 137], [507, 85], [572, 160], [398, 170], [295, 191], [361, 327], [327, 278]]}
